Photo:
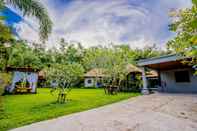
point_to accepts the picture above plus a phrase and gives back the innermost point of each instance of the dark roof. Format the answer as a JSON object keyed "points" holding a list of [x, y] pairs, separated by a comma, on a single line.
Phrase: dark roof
{"points": [[167, 62], [161, 59]]}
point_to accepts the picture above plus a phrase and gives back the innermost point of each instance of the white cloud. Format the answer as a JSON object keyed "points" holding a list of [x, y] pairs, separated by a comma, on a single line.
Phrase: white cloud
{"points": [[102, 22], [26, 32]]}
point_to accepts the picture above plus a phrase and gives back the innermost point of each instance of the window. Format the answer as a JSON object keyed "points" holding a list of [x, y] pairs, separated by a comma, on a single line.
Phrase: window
{"points": [[89, 81], [182, 76]]}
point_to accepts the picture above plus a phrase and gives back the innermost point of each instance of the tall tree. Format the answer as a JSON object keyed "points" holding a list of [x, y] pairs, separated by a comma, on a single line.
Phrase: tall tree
{"points": [[1, 4], [21, 55], [33, 8], [70, 52], [5, 34], [112, 61], [185, 25], [5, 37]]}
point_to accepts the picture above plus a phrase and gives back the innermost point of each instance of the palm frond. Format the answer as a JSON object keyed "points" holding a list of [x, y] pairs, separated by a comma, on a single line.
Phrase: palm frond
{"points": [[1, 4], [35, 8]]}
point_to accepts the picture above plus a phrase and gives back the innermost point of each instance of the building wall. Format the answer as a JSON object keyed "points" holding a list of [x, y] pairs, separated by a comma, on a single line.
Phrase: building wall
{"points": [[92, 82], [87, 82], [169, 83]]}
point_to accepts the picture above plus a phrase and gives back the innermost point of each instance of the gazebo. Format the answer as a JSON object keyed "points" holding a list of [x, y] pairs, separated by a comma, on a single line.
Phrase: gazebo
{"points": [[24, 80]]}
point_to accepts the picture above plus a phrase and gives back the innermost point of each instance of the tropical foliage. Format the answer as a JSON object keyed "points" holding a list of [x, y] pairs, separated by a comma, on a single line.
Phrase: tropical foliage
{"points": [[62, 64], [115, 60], [112, 60], [33, 8], [185, 25], [66, 76], [21, 54], [5, 33]]}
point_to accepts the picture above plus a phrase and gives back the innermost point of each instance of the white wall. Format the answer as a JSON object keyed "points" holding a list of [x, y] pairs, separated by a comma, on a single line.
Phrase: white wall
{"points": [[92, 84], [170, 85]]}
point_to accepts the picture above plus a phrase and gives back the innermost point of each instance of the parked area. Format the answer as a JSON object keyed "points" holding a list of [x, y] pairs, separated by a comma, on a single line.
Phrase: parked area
{"points": [[20, 110], [157, 112]]}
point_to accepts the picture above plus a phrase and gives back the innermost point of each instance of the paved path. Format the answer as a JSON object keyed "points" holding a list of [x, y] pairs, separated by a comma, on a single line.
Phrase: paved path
{"points": [[157, 112]]}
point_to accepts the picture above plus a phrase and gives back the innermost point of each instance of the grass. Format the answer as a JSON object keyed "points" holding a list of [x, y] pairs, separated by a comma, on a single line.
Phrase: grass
{"points": [[21, 110], [1, 105]]}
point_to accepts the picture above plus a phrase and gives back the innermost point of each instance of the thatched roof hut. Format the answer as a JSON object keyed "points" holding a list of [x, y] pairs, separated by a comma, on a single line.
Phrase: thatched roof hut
{"points": [[99, 72], [133, 69], [96, 72]]}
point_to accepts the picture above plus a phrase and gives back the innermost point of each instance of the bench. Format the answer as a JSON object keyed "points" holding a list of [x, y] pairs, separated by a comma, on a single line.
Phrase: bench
{"points": [[22, 89]]}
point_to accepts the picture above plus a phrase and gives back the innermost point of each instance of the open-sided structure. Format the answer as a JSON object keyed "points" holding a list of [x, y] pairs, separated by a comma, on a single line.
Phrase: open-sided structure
{"points": [[24, 80]]}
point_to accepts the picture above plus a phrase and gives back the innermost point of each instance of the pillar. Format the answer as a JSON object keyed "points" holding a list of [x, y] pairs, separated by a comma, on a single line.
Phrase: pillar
{"points": [[144, 90], [159, 80]]}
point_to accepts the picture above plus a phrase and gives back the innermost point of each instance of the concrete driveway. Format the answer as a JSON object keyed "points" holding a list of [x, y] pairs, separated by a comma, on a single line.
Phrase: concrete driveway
{"points": [[156, 112]]}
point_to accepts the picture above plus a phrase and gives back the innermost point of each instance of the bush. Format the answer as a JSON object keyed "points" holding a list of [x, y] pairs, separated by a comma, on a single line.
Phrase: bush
{"points": [[5, 79], [1, 102]]}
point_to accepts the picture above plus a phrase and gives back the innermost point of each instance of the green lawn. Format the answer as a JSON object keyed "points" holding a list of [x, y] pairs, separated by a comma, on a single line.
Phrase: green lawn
{"points": [[21, 110]]}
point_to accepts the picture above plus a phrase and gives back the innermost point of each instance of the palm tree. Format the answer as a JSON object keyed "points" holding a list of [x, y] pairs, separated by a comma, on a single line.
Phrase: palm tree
{"points": [[33, 8]]}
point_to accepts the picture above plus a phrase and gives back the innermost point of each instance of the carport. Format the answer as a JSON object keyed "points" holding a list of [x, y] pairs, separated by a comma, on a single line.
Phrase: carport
{"points": [[173, 74]]}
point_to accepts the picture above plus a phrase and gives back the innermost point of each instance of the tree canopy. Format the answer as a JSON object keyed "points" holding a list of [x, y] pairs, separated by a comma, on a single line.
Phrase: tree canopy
{"points": [[23, 55], [185, 25], [114, 60], [5, 33], [64, 76]]}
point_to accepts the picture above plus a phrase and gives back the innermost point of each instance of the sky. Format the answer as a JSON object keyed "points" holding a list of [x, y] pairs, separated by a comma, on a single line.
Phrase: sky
{"points": [[138, 23]]}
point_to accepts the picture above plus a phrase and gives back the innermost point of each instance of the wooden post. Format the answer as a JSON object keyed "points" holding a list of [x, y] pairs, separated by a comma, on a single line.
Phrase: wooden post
{"points": [[159, 77], [144, 90], [159, 80]]}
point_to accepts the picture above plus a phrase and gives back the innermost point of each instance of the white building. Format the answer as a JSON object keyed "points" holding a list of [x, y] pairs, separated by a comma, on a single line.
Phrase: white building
{"points": [[173, 75], [94, 77]]}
